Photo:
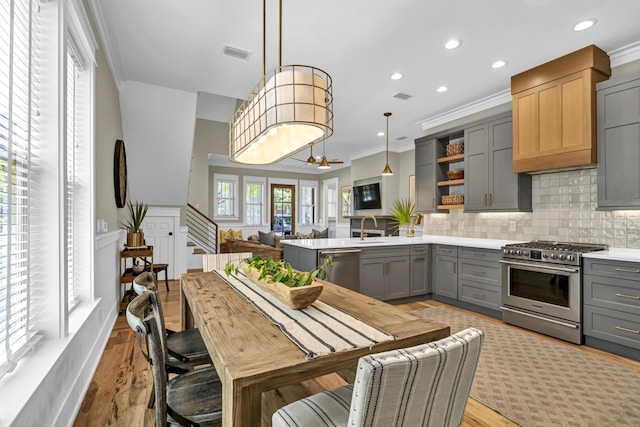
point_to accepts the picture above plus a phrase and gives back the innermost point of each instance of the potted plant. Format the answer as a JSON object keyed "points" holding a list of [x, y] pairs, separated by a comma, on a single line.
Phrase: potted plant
{"points": [[296, 289], [135, 235], [402, 213]]}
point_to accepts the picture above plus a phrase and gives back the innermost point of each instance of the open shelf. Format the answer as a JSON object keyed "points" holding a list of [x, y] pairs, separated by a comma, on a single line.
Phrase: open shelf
{"points": [[451, 159], [451, 182], [450, 207]]}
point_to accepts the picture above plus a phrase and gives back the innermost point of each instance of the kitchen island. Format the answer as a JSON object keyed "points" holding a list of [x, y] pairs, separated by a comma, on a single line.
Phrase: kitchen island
{"points": [[396, 268]]}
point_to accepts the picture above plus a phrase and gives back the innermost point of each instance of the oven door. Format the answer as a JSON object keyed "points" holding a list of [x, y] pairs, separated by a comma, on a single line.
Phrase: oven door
{"points": [[550, 290]]}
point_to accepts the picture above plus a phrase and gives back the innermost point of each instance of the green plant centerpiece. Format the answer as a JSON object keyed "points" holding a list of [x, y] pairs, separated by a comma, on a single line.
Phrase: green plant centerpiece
{"points": [[135, 235], [402, 212], [296, 289]]}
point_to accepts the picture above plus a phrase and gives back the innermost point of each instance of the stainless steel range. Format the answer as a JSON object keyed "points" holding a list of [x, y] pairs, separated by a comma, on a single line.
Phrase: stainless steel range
{"points": [[542, 287]]}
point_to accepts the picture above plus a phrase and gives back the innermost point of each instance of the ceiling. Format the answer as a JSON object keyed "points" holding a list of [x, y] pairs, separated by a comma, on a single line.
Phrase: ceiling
{"points": [[360, 43]]}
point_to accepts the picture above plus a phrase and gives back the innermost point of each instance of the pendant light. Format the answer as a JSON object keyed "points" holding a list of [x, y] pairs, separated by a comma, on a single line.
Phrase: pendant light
{"points": [[387, 170], [290, 108], [324, 164]]}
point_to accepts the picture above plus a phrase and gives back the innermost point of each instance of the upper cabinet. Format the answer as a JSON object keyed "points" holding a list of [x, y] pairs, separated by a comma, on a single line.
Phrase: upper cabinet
{"points": [[554, 111], [483, 180], [619, 143], [490, 183]]}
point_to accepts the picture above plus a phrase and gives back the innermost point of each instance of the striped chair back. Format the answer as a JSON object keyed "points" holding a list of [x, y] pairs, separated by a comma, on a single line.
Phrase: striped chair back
{"points": [[426, 385], [212, 262]]}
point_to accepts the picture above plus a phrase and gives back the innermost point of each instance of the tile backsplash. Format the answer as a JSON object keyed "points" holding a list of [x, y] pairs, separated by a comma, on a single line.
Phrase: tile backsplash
{"points": [[564, 209]]}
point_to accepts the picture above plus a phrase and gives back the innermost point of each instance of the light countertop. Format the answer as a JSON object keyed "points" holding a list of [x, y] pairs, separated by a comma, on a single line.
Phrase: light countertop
{"points": [[371, 242], [616, 254]]}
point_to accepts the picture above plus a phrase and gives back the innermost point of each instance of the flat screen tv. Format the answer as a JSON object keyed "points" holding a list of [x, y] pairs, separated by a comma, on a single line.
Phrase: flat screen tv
{"points": [[367, 196]]}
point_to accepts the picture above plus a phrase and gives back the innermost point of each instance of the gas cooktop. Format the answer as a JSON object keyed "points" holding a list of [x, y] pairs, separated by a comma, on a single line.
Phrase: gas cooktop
{"points": [[568, 253]]}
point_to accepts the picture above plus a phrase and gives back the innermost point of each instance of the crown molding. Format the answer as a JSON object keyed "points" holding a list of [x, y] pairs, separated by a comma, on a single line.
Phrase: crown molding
{"points": [[491, 101], [110, 46], [625, 54]]}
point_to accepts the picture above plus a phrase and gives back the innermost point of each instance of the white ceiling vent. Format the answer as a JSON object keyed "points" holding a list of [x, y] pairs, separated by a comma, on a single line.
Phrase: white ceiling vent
{"points": [[237, 52], [403, 96]]}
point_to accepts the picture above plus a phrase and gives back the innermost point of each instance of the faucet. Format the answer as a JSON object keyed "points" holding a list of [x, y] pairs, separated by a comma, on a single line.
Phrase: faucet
{"points": [[362, 235]]}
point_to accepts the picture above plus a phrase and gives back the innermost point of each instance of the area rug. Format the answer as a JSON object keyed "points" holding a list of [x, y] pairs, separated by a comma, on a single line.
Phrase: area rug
{"points": [[535, 381]]}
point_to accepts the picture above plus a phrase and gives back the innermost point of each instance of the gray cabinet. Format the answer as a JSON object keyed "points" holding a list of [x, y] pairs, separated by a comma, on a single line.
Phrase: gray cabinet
{"points": [[490, 184], [618, 104], [302, 259], [445, 271], [480, 277], [420, 275], [384, 272], [427, 174], [611, 312]]}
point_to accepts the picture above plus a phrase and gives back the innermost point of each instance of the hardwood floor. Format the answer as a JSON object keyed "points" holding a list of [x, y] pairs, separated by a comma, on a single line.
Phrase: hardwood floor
{"points": [[120, 389]]}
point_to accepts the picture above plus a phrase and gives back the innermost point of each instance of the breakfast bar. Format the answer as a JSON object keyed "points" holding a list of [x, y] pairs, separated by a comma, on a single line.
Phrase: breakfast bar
{"points": [[252, 355]]}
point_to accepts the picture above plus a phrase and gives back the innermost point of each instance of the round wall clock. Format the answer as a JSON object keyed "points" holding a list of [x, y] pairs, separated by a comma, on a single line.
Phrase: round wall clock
{"points": [[120, 174]]}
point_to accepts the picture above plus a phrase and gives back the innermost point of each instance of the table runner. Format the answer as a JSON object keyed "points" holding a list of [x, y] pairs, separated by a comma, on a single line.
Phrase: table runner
{"points": [[317, 330]]}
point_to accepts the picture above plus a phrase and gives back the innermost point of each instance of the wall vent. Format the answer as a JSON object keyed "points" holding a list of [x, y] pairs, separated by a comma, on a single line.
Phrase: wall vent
{"points": [[237, 52], [403, 96]]}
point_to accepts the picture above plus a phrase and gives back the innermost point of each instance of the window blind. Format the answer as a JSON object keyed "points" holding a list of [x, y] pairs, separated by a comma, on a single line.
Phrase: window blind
{"points": [[71, 134], [18, 100]]}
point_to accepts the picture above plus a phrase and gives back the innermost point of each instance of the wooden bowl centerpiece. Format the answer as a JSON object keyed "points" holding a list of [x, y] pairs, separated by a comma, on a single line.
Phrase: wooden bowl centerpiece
{"points": [[294, 288]]}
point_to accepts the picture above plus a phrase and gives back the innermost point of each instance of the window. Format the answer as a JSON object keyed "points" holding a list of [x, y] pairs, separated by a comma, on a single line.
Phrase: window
{"points": [[33, 157], [226, 197], [254, 200], [77, 143], [18, 99], [308, 202]]}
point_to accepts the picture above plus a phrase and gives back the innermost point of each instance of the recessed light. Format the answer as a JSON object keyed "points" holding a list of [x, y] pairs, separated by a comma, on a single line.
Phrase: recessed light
{"points": [[442, 89], [380, 133], [583, 25], [396, 76], [452, 44], [499, 64]]}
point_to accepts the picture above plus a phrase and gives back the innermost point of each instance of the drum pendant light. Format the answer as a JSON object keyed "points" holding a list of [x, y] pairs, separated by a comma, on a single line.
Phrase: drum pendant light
{"points": [[290, 108], [387, 170]]}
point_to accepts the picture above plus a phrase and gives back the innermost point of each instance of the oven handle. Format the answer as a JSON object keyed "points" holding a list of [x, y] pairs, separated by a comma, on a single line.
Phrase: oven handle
{"points": [[545, 267], [568, 325]]}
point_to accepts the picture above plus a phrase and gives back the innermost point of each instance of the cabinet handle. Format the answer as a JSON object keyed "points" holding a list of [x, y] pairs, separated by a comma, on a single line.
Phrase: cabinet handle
{"points": [[627, 270], [485, 199], [433, 202], [633, 331], [455, 267], [445, 250], [479, 255], [637, 297], [478, 294], [478, 271], [490, 199]]}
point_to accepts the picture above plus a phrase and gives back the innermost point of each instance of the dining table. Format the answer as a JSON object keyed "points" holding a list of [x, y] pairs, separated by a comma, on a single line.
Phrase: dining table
{"points": [[252, 355]]}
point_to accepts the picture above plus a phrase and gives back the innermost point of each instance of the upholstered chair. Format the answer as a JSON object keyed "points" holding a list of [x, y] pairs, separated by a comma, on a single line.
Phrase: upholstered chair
{"points": [[426, 385]]}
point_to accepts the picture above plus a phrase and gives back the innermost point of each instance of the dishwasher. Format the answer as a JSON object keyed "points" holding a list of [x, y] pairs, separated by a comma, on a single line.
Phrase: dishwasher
{"points": [[346, 267]]}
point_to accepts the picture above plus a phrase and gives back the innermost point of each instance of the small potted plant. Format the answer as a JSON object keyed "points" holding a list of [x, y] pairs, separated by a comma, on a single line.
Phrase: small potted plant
{"points": [[402, 213], [135, 235]]}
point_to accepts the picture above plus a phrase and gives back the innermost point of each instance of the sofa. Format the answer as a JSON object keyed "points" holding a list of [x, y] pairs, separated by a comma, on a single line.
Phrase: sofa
{"points": [[256, 248]]}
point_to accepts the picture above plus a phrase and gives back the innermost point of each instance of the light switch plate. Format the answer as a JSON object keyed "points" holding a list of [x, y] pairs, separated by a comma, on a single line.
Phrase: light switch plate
{"points": [[512, 226]]}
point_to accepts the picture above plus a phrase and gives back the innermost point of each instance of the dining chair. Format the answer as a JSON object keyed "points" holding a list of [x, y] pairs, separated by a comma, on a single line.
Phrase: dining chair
{"points": [[425, 385], [192, 398], [185, 349], [212, 262]]}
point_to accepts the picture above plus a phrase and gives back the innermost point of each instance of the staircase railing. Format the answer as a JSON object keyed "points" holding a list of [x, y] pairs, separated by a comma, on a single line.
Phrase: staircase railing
{"points": [[202, 230]]}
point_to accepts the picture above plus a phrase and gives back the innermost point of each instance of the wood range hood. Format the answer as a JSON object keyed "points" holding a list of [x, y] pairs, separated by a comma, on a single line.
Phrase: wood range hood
{"points": [[554, 111]]}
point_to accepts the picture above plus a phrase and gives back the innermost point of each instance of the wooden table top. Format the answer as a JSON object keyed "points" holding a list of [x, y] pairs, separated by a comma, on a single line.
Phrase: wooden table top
{"points": [[252, 353]]}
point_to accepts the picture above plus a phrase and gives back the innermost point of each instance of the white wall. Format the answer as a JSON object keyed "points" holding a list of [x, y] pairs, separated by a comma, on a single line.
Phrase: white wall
{"points": [[159, 126]]}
